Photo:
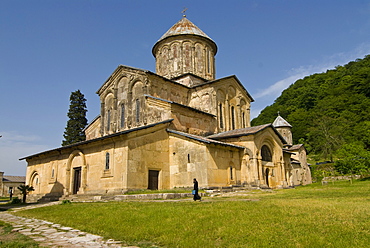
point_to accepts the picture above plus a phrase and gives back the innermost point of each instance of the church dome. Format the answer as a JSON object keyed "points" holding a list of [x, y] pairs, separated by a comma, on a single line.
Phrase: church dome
{"points": [[280, 122], [184, 49], [284, 128], [184, 27]]}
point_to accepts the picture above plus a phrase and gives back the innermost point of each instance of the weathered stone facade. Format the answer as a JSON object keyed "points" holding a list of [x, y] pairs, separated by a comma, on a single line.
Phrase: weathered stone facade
{"points": [[160, 130], [10, 184]]}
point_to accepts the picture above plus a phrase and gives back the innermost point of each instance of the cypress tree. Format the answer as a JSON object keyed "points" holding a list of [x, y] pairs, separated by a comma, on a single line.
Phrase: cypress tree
{"points": [[77, 119]]}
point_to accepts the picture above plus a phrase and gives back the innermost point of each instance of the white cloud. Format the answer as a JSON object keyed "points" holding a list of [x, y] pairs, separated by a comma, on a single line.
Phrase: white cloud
{"points": [[14, 146], [266, 96]]}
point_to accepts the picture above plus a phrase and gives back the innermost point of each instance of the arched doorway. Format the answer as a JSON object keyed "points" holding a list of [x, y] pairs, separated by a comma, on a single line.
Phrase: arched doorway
{"points": [[76, 173]]}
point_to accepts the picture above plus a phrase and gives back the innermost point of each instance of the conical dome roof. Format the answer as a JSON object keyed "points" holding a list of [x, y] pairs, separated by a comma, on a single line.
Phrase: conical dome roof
{"points": [[185, 27], [281, 122]]}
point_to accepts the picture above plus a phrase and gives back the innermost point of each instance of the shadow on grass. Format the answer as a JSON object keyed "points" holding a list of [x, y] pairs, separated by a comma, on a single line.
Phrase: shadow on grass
{"points": [[365, 179]]}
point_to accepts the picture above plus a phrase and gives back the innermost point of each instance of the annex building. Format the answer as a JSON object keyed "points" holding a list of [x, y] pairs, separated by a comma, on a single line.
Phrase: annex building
{"points": [[160, 130]]}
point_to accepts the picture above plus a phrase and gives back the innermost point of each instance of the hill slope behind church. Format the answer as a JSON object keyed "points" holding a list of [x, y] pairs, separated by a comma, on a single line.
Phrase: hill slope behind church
{"points": [[327, 109]]}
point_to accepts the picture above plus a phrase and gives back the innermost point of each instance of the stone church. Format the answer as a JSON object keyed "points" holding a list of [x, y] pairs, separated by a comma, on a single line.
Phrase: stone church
{"points": [[160, 130]]}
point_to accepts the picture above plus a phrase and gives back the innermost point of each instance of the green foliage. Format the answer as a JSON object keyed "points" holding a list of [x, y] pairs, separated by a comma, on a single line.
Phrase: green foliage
{"points": [[25, 189], [327, 110], [16, 200], [66, 202], [353, 159], [308, 216], [77, 119]]}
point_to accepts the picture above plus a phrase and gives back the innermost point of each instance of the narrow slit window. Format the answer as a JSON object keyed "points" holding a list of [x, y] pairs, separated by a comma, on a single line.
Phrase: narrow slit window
{"points": [[108, 120], [122, 116], [208, 61], [137, 110], [232, 118], [243, 120], [221, 117], [107, 161]]}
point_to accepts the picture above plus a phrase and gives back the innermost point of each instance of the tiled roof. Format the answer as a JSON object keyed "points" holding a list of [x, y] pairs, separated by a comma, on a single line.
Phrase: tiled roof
{"points": [[185, 27], [239, 132], [295, 147], [100, 138], [245, 132], [15, 179], [203, 139]]}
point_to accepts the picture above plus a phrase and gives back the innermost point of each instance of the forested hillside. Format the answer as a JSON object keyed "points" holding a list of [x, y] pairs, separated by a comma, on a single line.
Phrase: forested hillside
{"points": [[328, 111]]}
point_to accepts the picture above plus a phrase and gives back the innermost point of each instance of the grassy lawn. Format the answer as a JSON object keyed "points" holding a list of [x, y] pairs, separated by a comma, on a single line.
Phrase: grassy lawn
{"points": [[10, 239], [309, 216]]}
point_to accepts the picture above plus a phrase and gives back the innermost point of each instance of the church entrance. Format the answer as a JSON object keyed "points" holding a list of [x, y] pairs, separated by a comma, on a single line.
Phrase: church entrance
{"points": [[76, 179], [153, 179]]}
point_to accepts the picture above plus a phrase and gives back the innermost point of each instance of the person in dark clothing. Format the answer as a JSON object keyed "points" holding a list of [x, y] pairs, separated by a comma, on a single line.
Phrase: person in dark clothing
{"points": [[11, 194], [196, 196]]}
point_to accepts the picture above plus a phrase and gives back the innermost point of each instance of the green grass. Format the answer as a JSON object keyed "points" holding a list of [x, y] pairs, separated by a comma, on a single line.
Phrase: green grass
{"points": [[309, 216], [4, 199], [8, 239]]}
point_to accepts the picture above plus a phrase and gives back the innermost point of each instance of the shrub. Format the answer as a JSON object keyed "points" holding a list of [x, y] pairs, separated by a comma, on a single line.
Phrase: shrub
{"points": [[15, 200]]}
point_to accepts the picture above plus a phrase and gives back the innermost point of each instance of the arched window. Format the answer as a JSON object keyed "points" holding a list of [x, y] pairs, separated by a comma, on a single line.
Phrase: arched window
{"points": [[231, 173], [122, 116], [232, 118], [107, 161], [221, 116], [52, 173], [266, 154]]}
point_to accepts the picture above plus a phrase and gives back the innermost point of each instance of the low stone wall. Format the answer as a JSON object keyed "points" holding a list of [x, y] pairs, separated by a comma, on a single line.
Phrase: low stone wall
{"points": [[326, 180], [164, 196]]}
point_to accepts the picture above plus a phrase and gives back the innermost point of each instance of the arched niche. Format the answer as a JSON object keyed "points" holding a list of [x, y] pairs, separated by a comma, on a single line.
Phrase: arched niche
{"points": [[231, 92], [109, 113], [187, 59], [121, 88], [34, 181], [199, 58]]}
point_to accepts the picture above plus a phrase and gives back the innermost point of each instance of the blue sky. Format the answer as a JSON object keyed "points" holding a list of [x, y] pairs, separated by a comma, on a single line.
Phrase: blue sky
{"points": [[50, 48]]}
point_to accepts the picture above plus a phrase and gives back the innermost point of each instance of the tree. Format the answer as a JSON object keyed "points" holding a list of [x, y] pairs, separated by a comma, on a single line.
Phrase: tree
{"points": [[77, 119], [25, 189], [327, 109], [353, 159]]}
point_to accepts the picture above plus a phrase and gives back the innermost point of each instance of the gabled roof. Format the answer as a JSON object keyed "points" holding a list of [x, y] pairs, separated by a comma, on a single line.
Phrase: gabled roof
{"points": [[296, 147], [100, 138], [225, 78], [203, 139], [119, 67], [245, 132], [14, 179]]}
